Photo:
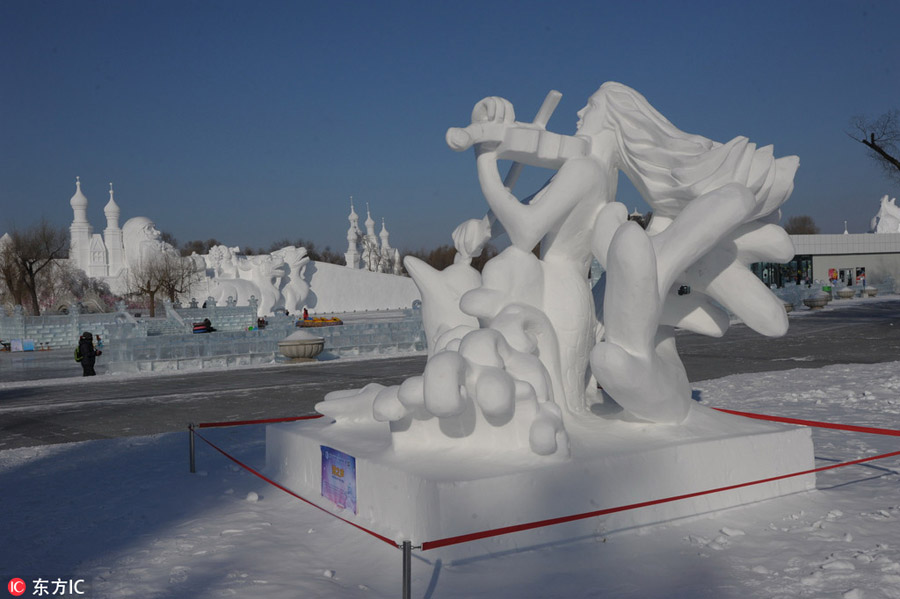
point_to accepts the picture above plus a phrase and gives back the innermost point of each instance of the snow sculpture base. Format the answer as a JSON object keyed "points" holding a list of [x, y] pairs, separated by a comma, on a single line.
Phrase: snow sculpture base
{"points": [[438, 494]]}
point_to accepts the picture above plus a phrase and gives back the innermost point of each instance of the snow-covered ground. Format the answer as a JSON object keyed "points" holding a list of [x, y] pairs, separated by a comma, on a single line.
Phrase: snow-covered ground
{"points": [[126, 515]]}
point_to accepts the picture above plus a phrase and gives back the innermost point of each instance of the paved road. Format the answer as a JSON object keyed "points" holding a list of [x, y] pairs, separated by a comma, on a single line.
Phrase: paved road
{"points": [[858, 333], [76, 409]]}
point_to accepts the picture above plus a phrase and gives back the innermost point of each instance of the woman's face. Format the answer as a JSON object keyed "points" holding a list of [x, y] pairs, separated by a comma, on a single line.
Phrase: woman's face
{"points": [[590, 119]]}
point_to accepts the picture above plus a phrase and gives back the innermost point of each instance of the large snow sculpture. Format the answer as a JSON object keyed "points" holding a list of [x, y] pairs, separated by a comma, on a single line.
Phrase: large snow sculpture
{"points": [[887, 220], [516, 354], [277, 280], [241, 277]]}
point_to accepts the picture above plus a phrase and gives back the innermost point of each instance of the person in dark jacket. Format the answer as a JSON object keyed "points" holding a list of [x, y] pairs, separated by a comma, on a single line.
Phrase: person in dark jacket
{"points": [[88, 353]]}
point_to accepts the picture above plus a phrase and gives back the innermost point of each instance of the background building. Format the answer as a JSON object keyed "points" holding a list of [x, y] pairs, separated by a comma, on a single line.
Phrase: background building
{"points": [[847, 257]]}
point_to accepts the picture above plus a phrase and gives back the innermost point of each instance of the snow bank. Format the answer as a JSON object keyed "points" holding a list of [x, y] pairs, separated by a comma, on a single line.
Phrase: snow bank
{"points": [[336, 288], [126, 515]]}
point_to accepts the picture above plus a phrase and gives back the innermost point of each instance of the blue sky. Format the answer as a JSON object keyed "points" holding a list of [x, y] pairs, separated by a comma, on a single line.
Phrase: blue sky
{"points": [[252, 122]]}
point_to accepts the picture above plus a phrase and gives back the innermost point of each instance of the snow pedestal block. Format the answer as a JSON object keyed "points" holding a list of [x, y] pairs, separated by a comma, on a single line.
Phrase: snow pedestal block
{"points": [[439, 493]]}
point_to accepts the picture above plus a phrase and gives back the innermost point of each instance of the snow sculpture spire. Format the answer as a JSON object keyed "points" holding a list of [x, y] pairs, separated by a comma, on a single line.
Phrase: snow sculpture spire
{"points": [[370, 251], [111, 210], [370, 223], [386, 253], [79, 203], [115, 244], [384, 235], [351, 256], [80, 230], [397, 263]]}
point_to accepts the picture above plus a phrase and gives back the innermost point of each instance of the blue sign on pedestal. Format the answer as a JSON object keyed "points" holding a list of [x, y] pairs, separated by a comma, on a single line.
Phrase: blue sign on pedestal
{"points": [[339, 478]]}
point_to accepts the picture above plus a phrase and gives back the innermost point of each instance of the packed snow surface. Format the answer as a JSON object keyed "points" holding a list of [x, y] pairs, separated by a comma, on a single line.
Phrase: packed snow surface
{"points": [[126, 515]]}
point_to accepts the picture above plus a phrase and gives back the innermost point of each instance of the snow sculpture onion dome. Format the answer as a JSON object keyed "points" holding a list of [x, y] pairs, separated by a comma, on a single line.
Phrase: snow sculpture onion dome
{"points": [[385, 236], [112, 210], [79, 203], [370, 223], [353, 231]]}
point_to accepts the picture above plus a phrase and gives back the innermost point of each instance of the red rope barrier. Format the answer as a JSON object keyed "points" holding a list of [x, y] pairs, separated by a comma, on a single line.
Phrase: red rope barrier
{"points": [[289, 492], [550, 522], [572, 518], [266, 421], [632, 506], [813, 423]]}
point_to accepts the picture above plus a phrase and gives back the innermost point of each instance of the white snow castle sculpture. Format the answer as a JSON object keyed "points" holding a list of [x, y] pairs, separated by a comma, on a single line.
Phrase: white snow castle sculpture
{"points": [[112, 255], [368, 251], [516, 354]]}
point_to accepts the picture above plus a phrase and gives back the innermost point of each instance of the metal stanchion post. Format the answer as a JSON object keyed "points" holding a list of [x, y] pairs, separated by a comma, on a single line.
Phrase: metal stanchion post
{"points": [[407, 569], [191, 431]]}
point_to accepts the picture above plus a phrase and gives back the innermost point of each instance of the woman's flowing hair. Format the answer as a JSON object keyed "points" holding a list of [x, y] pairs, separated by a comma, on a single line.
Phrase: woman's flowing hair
{"points": [[670, 167]]}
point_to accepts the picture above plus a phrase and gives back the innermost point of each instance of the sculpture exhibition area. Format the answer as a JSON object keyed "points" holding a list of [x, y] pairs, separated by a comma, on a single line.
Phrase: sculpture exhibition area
{"points": [[541, 399]]}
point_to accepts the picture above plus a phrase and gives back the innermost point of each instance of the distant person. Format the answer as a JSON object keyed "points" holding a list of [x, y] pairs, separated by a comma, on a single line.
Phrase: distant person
{"points": [[305, 314], [209, 326], [86, 354]]}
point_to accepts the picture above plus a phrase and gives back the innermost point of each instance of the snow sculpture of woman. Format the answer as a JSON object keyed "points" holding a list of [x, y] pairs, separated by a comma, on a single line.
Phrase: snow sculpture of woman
{"points": [[887, 220], [523, 372]]}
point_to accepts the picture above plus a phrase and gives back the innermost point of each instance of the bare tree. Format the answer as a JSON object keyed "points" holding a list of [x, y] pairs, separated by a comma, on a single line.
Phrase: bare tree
{"points": [[167, 237], [25, 254], [54, 286], [145, 281], [371, 253], [161, 275], [882, 137], [178, 275], [11, 287], [801, 225]]}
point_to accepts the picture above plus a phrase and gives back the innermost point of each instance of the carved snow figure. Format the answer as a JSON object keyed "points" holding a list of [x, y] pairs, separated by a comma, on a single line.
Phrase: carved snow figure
{"points": [[240, 277], [266, 271], [441, 291], [223, 261], [518, 376], [142, 240], [294, 288], [887, 220]]}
